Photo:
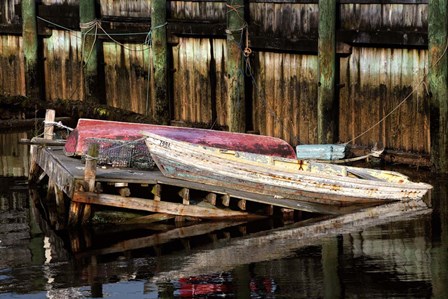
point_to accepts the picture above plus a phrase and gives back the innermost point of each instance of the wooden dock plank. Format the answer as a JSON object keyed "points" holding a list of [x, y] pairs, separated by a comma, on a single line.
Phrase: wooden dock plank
{"points": [[157, 206]]}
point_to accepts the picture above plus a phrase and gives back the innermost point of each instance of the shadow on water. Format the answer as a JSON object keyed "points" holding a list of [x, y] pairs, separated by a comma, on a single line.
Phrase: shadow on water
{"points": [[405, 256]]}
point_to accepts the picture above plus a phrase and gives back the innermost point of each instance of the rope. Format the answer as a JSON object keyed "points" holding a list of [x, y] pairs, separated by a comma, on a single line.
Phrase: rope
{"points": [[90, 158], [95, 25], [58, 124], [414, 89], [373, 153], [99, 34]]}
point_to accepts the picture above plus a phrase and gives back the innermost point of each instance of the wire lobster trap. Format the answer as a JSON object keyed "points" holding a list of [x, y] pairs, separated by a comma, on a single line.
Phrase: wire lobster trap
{"points": [[122, 153]]}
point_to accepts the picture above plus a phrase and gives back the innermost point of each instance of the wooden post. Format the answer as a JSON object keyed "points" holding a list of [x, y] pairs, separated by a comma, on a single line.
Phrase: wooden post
{"points": [[236, 115], [185, 194], [90, 176], [49, 127], [34, 169], [211, 198], [242, 204], [225, 200], [438, 82], [160, 100], [157, 191], [326, 112], [87, 15], [30, 48]]}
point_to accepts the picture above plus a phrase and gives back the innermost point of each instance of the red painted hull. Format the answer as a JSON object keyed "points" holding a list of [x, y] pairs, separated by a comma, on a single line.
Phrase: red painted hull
{"points": [[76, 144]]}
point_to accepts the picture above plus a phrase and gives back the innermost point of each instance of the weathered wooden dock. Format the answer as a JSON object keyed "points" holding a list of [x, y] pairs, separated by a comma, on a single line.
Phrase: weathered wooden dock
{"points": [[76, 184], [114, 186]]}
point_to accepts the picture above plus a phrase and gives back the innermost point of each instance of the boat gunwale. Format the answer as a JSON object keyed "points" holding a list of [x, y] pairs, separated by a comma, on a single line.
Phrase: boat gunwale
{"points": [[305, 175]]}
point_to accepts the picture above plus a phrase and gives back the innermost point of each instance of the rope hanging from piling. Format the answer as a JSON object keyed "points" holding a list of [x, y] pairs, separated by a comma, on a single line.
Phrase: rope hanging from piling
{"points": [[414, 89], [96, 26]]}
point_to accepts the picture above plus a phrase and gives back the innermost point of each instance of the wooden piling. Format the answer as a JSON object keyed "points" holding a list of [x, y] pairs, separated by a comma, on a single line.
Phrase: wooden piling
{"points": [[157, 191], [90, 176], [87, 16], [30, 48], [50, 115], [225, 199], [34, 169], [161, 111], [438, 82], [236, 116], [211, 198], [326, 96], [185, 194], [80, 212]]}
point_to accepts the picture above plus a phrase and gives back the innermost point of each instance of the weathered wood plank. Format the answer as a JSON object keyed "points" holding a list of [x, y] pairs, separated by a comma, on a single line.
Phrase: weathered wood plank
{"points": [[156, 206], [30, 48]]}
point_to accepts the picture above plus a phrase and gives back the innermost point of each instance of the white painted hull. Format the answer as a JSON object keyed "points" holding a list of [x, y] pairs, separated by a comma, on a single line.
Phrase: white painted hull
{"points": [[316, 182]]}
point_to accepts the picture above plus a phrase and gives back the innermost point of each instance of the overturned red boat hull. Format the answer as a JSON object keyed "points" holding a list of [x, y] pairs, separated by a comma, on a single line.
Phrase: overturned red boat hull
{"points": [[86, 129]]}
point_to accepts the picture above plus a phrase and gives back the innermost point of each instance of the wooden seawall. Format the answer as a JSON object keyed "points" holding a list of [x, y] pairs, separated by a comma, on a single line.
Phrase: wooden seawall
{"points": [[382, 79]]}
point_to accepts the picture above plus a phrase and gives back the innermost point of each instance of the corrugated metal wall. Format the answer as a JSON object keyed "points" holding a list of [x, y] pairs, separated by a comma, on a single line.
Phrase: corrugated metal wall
{"points": [[373, 80]]}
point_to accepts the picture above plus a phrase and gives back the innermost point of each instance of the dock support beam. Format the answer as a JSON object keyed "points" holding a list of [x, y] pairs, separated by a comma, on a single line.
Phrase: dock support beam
{"points": [[236, 27], [326, 96], [30, 48], [160, 101], [90, 177], [87, 15], [438, 83]]}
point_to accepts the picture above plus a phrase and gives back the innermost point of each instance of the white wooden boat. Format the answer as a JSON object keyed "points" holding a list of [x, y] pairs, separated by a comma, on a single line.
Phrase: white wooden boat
{"points": [[281, 177]]}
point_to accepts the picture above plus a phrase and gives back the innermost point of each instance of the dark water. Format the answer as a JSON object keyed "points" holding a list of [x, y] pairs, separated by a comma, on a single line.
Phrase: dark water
{"points": [[403, 256]]}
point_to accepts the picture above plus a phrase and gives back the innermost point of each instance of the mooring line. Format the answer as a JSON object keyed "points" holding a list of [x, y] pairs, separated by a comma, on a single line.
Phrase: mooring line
{"points": [[414, 89]]}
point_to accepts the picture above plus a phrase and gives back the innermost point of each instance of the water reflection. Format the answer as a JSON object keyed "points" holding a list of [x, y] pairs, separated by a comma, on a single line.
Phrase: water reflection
{"points": [[401, 257], [14, 158]]}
